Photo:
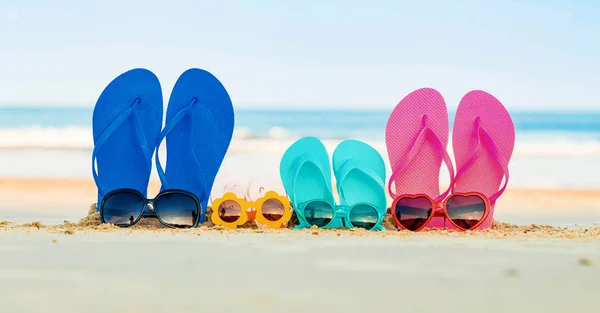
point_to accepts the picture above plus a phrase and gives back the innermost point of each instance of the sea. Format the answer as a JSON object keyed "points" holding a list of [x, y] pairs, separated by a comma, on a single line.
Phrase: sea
{"points": [[553, 149]]}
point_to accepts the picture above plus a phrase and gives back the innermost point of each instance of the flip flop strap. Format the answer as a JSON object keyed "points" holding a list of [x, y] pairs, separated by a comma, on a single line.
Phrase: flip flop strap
{"points": [[231, 185], [425, 133], [180, 116], [261, 191], [306, 159], [349, 167], [139, 133], [485, 139]]}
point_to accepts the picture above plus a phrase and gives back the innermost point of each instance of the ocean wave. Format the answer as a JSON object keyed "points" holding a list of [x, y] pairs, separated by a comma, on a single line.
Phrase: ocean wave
{"points": [[242, 133], [64, 138], [80, 138], [273, 141]]}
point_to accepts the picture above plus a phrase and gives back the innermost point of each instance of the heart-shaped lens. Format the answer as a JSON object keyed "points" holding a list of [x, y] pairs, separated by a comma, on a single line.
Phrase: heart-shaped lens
{"points": [[318, 213], [413, 213], [465, 211]]}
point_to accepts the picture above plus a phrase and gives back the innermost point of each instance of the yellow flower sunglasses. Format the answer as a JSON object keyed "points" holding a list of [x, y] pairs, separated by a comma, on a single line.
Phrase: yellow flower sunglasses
{"points": [[231, 211]]}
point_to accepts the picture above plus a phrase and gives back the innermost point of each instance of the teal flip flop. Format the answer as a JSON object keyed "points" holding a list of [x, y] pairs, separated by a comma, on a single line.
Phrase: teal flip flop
{"points": [[306, 176], [360, 173]]}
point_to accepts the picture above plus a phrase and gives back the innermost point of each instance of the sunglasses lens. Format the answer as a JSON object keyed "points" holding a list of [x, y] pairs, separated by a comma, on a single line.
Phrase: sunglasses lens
{"points": [[363, 216], [273, 210], [123, 208], [177, 209], [465, 211], [230, 211], [412, 213], [318, 213]]}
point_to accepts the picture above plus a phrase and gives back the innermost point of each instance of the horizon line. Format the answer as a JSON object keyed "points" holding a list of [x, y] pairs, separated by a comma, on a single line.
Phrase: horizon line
{"points": [[300, 107]]}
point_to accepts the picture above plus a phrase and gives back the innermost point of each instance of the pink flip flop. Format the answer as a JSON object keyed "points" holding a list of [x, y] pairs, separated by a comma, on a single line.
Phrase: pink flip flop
{"points": [[483, 140], [416, 137]]}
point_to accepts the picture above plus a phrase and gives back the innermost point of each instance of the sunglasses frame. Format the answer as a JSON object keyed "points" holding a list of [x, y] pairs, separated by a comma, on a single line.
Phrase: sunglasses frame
{"points": [[256, 205], [341, 212], [151, 213], [440, 209]]}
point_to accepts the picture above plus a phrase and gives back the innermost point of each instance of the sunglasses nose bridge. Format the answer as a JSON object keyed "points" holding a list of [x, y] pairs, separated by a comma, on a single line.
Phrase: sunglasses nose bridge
{"points": [[438, 212], [341, 213]]}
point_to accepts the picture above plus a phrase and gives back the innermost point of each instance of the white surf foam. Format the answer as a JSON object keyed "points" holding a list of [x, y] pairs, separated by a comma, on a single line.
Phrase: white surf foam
{"points": [[275, 141], [65, 138]]}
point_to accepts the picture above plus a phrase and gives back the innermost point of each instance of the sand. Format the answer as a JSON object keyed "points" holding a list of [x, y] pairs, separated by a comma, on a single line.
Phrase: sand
{"points": [[68, 194], [79, 265], [59, 202], [214, 271]]}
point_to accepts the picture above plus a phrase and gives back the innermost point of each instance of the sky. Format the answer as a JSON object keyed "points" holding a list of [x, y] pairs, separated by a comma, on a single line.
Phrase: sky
{"points": [[542, 55]]}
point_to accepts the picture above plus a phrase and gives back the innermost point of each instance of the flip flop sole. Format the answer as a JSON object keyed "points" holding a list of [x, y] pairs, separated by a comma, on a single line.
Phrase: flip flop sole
{"points": [[306, 180], [121, 162], [197, 145], [421, 176], [358, 186], [485, 174]]}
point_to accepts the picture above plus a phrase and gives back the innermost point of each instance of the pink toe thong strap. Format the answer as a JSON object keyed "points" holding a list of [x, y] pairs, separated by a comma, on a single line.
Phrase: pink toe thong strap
{"points": [[485, 139], [425, 133]]}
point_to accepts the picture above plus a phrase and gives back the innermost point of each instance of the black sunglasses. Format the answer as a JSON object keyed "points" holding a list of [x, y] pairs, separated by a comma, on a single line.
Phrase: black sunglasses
{"points": [[173, 208]]}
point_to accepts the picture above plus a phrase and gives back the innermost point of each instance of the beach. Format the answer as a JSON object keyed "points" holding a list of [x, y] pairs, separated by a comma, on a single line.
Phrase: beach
{"points": [[121, 80], [115, 270], [58, 199], [542, 254], [67, 261], [544, 187]]}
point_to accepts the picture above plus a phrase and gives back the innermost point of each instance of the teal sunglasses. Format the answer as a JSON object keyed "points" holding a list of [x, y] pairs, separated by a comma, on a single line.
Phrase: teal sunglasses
{"points": [[324, 215]]}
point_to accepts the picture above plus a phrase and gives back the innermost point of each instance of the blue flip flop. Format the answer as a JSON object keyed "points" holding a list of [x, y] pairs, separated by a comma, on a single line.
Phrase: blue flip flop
{"points": [[360, 173], [198, 131], [126, 124], [306, 176]]}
